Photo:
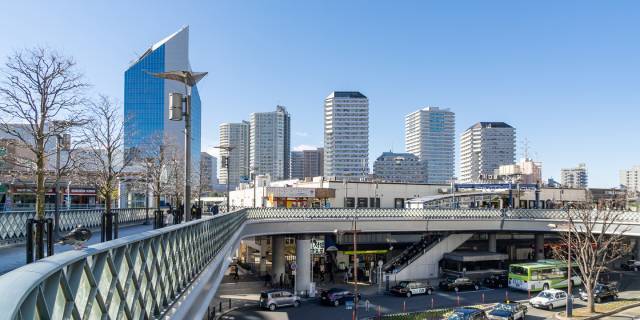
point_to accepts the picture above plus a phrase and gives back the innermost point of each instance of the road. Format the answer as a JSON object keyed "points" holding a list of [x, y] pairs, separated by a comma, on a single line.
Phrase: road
{"points": [[246, 296], [13, 257]]}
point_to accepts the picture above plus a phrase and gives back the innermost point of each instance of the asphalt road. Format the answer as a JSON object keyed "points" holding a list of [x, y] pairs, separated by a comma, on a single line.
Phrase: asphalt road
{"points": [[312, 310]]}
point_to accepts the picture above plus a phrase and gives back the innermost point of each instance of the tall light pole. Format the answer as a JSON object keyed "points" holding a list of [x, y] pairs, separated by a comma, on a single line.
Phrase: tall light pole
{"points": [[569, 306], [225, 163], [176, 112]]}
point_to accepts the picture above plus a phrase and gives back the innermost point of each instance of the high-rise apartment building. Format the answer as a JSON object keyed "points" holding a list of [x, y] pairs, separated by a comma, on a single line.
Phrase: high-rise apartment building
{"points": [[630, 179], [526, 171], [346, 135], [400, 167], [208, 173], [270, 143], [234, 163], [484, 147], [307, 163], [146, 98], [429, 134], [575, 177]]}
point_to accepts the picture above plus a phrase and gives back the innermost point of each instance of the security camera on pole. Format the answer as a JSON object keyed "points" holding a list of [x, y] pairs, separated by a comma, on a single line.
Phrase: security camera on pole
{"points": [[176, 112]]}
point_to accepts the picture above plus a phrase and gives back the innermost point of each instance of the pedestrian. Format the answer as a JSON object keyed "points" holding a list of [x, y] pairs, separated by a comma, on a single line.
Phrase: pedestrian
{"points": [[281, 280], [321, 272], [267, 280], [346, 276], [236, 276]]}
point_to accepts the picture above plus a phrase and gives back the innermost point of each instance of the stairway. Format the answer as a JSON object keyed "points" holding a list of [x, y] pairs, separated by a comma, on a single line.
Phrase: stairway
{"points": [[420, 260]]}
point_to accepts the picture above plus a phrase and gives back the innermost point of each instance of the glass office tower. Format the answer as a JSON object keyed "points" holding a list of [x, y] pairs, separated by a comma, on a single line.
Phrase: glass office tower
{"points": [[146, 98]]}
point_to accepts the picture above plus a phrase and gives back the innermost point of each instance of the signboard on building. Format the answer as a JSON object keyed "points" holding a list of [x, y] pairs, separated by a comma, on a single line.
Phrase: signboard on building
{"points": [[317, 246], [290, 192]]}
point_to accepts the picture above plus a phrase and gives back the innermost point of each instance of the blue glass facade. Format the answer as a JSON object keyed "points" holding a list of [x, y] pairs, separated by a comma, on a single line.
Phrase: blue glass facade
{"points": [[144, 100], [196, 129]]}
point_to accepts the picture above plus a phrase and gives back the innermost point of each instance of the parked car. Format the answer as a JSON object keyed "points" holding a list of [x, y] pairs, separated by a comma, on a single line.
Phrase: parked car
{"points": [[468, 314], [410, 288], [336, 297], [631, 265], [508, 311], [497, 281], [274, 299], [601, 293], [457, 284], [549, 299]]}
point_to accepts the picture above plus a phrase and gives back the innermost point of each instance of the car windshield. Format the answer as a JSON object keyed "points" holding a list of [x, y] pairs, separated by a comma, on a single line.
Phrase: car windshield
{"points": [[457, 316], [546, 295], [451, 279], [505, 307], [403, 284]]}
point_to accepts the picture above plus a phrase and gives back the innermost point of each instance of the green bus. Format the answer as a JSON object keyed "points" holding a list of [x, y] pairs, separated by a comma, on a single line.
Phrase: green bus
{"points": [[542, 275]]}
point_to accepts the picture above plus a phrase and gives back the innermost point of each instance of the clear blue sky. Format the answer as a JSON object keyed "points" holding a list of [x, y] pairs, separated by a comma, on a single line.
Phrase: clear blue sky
{"points": [[566, 74]]}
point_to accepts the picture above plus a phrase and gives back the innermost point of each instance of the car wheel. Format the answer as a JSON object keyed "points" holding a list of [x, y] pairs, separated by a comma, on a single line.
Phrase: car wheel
{"points": [[598, 300], [296, 304], [429, 292], [456, 289], [614, 298], [408, 294], [336, 303], [550, 307], [545, 286], [476, 287], [272, 307]]}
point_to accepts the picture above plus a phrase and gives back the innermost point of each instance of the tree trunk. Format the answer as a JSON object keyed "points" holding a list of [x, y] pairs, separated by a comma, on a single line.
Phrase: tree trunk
{"points": [[40, 191], [590, 305]]}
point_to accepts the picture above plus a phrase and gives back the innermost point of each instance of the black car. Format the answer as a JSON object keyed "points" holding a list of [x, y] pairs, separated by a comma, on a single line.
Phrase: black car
{"points": [[336, 297], [459, 284], [631, 265], [497, 281], [508, 311], [468, 314], [410, 288], [601, 293]]}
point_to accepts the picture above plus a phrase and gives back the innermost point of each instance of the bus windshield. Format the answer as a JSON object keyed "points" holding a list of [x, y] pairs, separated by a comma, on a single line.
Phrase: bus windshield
{"points": [[520, 271]]}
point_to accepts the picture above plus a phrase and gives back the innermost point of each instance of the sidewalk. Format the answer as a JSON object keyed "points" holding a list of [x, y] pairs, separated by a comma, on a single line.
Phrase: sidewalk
{"points": [[14, 257], [631, 314]]}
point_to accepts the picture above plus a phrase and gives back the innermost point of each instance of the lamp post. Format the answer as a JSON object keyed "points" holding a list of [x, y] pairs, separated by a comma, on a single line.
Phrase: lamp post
{"points": [[569, 307], [225, 164], [176, 112]]}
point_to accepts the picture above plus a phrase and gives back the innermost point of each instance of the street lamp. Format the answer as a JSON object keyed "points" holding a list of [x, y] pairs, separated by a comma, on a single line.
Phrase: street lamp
{"points": [[569, 307], [225, 164], [176, 112]]}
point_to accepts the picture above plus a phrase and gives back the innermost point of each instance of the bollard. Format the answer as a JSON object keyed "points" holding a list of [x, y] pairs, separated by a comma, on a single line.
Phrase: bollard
{"points": [[483, 298], [229, 303]]}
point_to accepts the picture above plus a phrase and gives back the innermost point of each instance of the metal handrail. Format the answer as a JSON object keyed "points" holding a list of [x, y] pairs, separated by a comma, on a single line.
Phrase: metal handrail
{"points": [[139, 276]]}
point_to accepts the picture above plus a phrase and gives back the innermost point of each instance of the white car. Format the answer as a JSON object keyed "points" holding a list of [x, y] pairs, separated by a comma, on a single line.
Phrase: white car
{"points": [[549, 299]]}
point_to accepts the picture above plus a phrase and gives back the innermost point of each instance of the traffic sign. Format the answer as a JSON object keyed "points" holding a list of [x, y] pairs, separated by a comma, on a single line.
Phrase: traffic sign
{"points": [[293, 266]]}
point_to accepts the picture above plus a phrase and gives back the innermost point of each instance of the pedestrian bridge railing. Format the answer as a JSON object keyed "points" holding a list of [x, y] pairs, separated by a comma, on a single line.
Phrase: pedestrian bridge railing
{"points": [[136, 277], [12, 223]]}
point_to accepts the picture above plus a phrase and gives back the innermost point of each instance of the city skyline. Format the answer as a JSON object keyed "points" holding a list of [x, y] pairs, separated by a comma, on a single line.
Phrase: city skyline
{"points": [[531, 66]]}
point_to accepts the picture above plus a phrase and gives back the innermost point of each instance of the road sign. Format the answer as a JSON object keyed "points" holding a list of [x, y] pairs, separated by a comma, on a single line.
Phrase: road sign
{"points": [[348, 305]]}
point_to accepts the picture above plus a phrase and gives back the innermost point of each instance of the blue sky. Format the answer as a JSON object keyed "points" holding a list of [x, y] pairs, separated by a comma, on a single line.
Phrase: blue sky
{"points": [[564, 73]]}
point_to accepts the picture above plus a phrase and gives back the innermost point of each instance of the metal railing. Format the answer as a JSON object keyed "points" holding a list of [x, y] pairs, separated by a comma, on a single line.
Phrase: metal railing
{"points": [[12, 223], [136, 277]]}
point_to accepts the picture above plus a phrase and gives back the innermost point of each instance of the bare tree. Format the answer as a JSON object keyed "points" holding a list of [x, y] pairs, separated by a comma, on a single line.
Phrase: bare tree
{"points": [[105, 140], [595, 239], [39, 87], [157, 164]]}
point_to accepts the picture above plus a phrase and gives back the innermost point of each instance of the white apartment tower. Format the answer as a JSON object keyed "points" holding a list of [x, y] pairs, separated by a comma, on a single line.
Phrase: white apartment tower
{"points": [[270, 143], [429, 134], [236, 137], [484, 147], [576, 178], [346, 135], [630, 179]]}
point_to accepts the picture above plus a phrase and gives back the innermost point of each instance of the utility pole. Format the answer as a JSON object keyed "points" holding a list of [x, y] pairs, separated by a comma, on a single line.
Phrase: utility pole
{"points": [[226, 164]]}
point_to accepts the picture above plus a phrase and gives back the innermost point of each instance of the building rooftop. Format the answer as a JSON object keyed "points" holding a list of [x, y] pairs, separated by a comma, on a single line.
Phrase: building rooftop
{"points": [[160, 43], [490, 125], [346, 94]]}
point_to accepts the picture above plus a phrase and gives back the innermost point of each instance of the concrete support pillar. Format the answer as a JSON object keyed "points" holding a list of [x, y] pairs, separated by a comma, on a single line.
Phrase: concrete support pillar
{"points": [[123, 195], [277, 258], [493, 242], [263, 256], [539, 246], [303, 264]]}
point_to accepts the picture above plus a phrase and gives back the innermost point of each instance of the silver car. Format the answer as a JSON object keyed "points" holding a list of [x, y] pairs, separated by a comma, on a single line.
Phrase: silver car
{"points": [[274, 299]]}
